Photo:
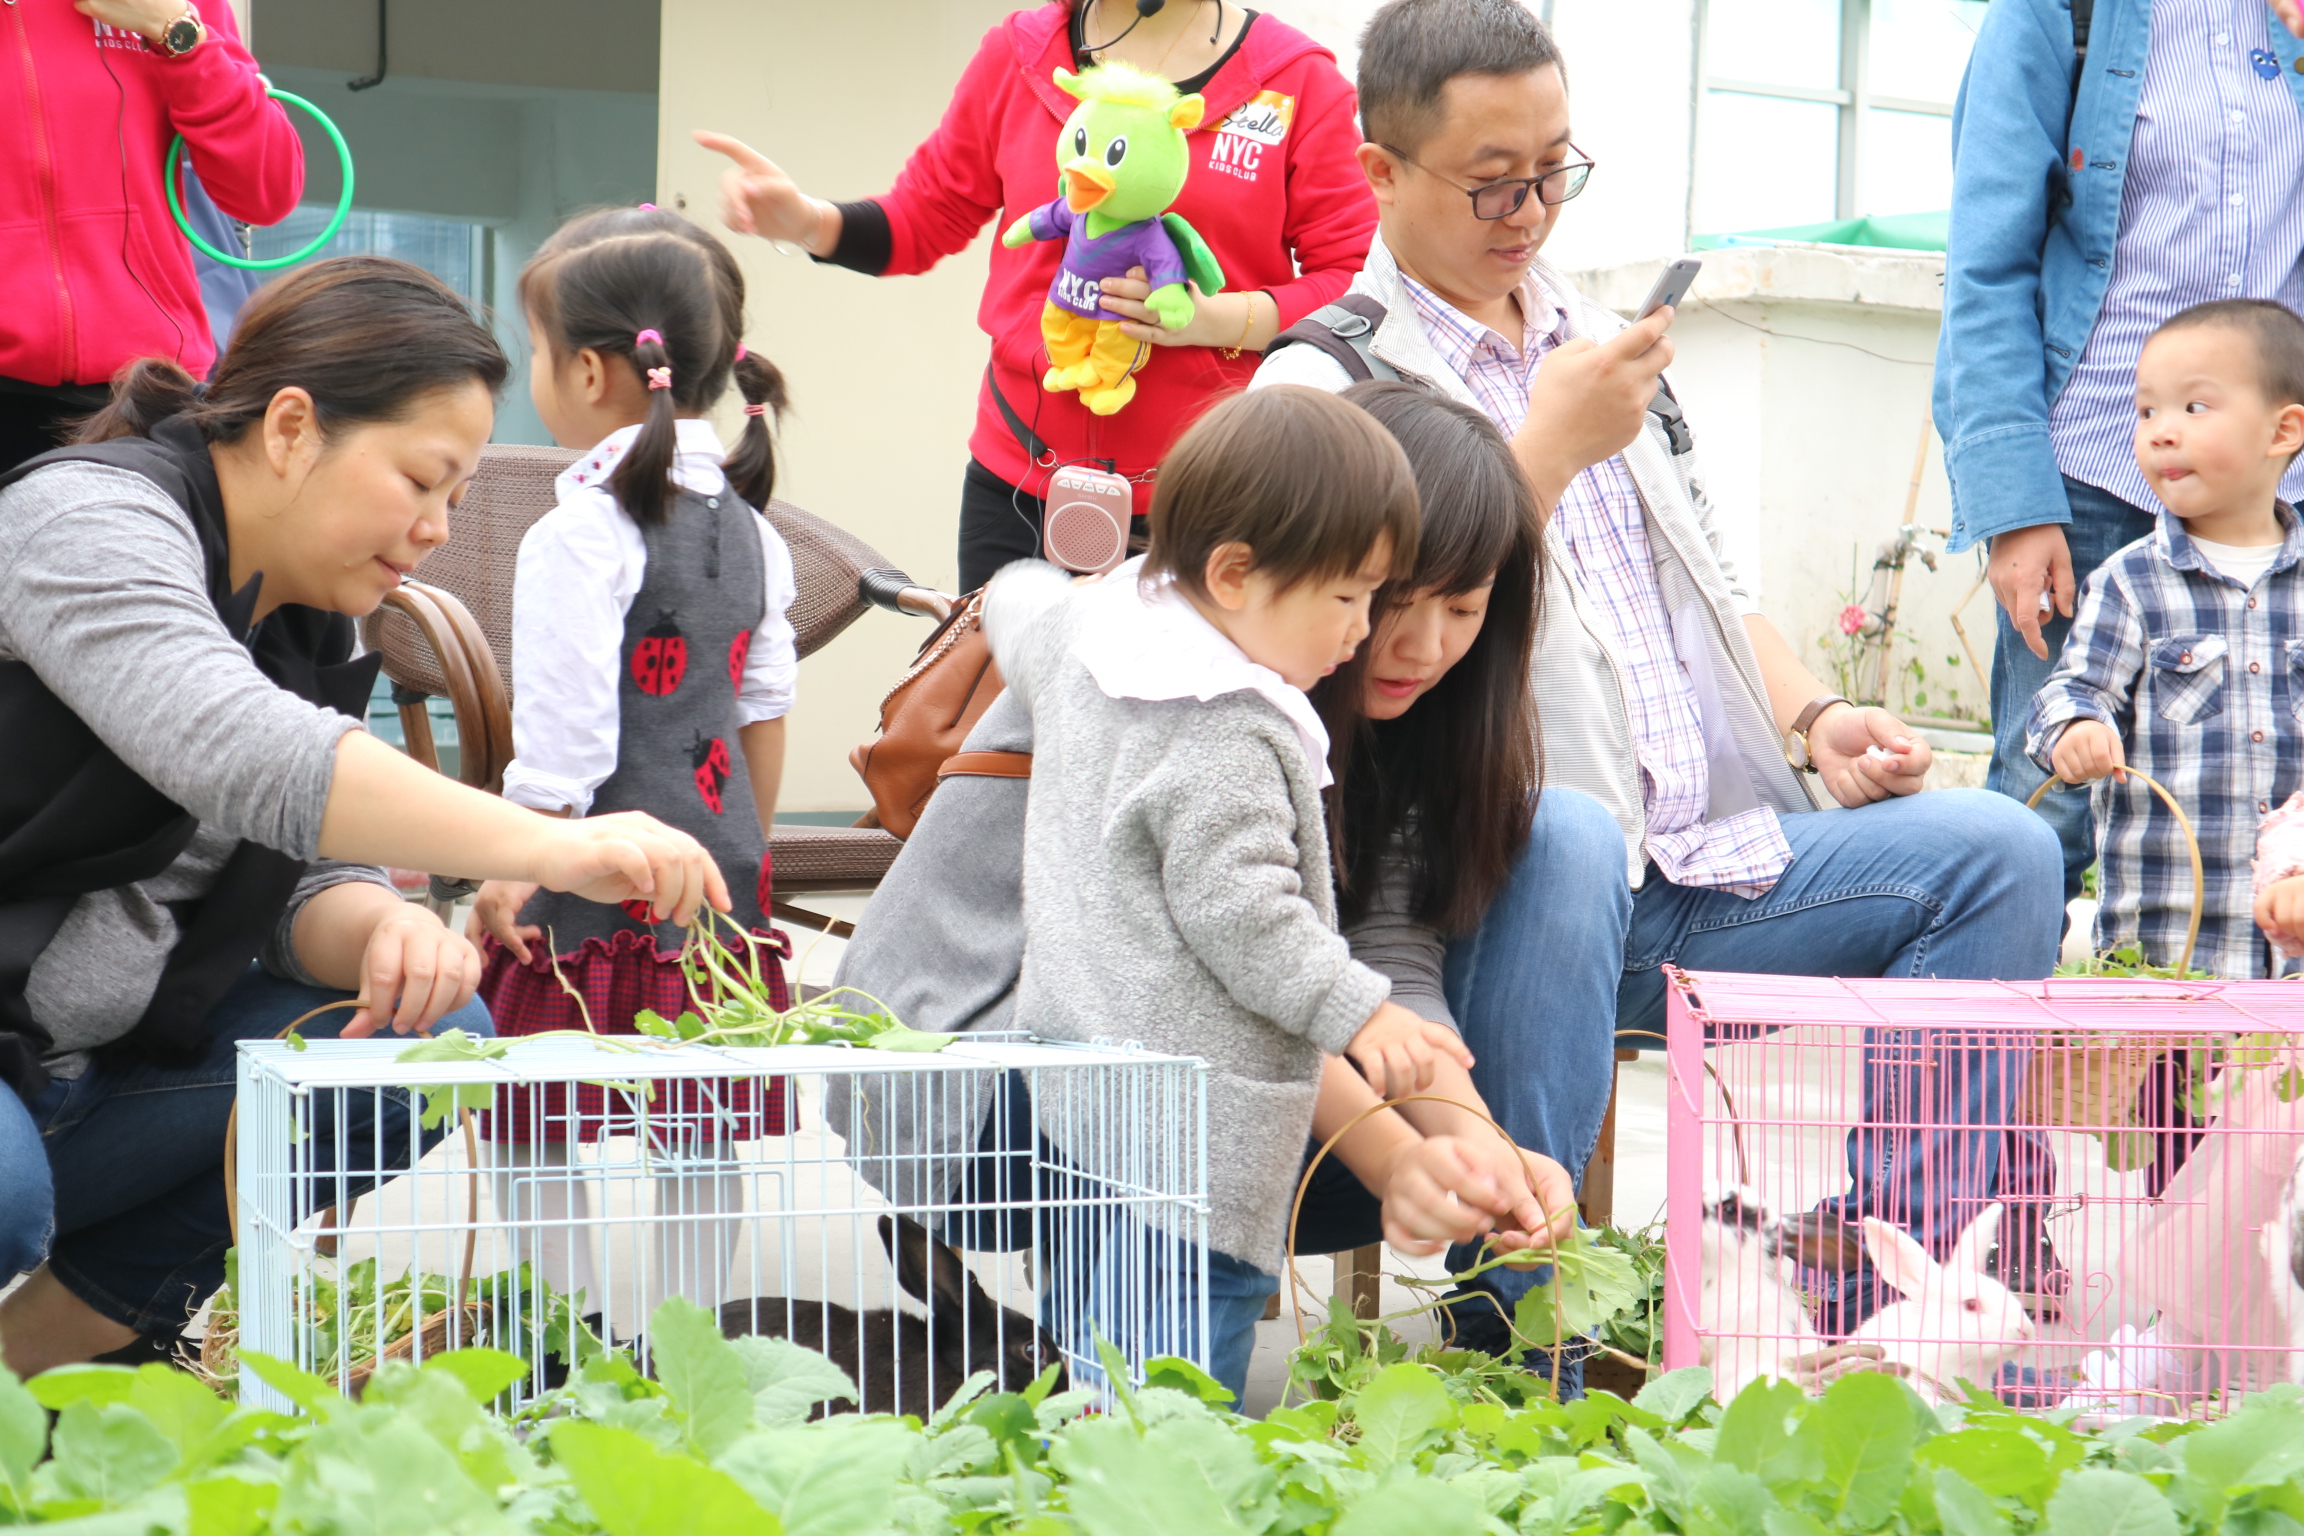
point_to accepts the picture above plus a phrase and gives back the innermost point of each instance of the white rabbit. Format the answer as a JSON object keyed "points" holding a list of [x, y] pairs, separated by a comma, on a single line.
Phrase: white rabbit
{"points": [[2283, 1240], [1751, 1321], [1956, 1322]]}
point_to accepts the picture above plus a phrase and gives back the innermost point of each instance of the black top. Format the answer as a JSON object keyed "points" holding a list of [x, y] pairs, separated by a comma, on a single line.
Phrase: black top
{"points": [[865, 244], [74, 818]]}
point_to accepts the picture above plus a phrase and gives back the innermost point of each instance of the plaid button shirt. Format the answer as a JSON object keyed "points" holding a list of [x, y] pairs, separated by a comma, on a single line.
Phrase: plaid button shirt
{"points": [[1602, 523], [2204, 681]]}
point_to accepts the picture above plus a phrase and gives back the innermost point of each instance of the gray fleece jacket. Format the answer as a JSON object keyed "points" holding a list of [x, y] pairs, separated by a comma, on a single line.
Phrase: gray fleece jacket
{"points": [[1177, 893]]}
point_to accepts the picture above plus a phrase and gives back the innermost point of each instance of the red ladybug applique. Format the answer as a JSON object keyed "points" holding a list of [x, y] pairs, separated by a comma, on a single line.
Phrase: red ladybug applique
{"points": [[639, 910], [738, 649], [764, 893], [710, 760], [660, 660]]}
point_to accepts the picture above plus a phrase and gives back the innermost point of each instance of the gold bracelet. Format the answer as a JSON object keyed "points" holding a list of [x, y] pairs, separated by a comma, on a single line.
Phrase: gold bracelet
{"points": [[1247, 323]]}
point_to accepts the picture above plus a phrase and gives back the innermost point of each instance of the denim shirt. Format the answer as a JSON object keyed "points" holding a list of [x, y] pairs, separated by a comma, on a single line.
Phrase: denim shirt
{"points": [[2203, 680], [2025, 271]]}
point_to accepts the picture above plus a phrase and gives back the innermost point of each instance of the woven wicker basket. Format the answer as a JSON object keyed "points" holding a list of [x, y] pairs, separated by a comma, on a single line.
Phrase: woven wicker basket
{"points": [[2092, 1082]]}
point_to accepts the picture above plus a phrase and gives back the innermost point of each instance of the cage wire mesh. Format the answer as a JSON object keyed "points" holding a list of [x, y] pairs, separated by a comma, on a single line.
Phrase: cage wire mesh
{"points": [[2086, 1188], [996, 1206]]}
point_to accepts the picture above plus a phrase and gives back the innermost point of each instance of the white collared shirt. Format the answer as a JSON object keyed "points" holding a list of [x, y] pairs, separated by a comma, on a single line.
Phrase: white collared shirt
{"points": [[1148, 642], [580, 567]]}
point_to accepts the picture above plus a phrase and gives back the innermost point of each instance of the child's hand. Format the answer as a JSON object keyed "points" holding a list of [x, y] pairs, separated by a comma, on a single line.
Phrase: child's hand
{"points": [[2088, 750], [494, 912], [1395, 1050], [626, 855], [2280, 913]]}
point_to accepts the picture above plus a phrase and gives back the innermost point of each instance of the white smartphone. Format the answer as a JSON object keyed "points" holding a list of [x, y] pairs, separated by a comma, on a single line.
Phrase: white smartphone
{"points": [[1672, 285]]}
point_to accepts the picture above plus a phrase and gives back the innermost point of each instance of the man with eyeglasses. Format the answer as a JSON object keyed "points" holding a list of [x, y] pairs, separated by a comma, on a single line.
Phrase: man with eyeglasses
{"points": [[1662, 692]]}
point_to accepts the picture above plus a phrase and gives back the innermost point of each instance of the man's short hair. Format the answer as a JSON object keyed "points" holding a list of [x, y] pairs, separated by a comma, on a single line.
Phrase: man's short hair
{"points": [[2274, 330], [1413, 48]]}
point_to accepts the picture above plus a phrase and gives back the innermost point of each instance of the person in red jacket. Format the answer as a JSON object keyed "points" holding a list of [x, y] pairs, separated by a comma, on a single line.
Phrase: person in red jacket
{"points": [[98, 273], [1274, 190]]}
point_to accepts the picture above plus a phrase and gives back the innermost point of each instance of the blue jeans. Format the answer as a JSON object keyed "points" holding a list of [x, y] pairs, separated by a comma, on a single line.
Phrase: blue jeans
{"points": [[116, 1178], [1951, 883], [2101, 525], [1139, 1289]]}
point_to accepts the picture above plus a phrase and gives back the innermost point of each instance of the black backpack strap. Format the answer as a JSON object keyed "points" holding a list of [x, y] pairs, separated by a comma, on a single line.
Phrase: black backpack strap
{"points": [[1665, 407], [1345, 332]]}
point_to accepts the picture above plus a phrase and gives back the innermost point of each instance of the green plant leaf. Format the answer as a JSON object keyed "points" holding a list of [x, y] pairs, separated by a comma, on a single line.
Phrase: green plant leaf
{"points": [[1732, 1502], [229, 1506], [1401, 1407], [375, 1472], [2262, 1444], [109, 1452], [787, 1379], [902, 1037], [705, 1375], [1862, 1433], [1759, 1433], [485, 1373], [2000, 1463], [23, 1437], [1184, 1376], [183, 1410], [60, 1388], [1676, 1394], [2097, 1501], [1119, 1484], [824, 1479], [634, 1489], [300, 1387], [1421, 1508], [1963, 1509]]}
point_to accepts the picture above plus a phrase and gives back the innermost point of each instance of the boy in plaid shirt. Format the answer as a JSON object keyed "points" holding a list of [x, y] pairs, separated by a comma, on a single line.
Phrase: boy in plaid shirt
{"points": [[2187, 654]]}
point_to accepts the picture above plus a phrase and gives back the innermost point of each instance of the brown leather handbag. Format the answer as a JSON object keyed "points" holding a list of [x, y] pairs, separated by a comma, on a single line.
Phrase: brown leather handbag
{"points": [[927, 715]]}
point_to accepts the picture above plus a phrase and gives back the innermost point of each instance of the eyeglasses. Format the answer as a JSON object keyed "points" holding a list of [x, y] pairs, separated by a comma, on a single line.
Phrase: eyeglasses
{"points": [[1502, 199]]}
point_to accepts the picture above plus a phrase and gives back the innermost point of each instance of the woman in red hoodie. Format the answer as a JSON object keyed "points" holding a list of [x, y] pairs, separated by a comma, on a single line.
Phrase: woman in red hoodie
{"points": [[98, 273], [1273, 189]]}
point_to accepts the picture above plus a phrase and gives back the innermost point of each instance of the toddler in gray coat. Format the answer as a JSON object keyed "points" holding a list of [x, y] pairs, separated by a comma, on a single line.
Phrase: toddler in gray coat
{"points": [[1177, 886]]}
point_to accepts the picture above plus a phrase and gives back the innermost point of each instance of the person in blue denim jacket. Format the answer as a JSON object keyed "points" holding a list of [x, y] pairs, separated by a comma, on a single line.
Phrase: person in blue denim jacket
{"points": [[2096, 192]]}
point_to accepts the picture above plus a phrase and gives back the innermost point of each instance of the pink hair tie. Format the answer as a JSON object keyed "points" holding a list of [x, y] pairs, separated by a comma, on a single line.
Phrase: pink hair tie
{"points": [[659, 378], [646, 337], [647, 207], [741, 354], [755, 410]]}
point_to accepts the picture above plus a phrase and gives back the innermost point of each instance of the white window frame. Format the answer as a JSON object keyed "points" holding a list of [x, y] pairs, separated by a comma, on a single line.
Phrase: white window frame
{"points": [[1853, 98]]}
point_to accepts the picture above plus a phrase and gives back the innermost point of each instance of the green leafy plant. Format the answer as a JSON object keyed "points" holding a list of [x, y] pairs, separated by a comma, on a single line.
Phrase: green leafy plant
{"points": [[718, 1444]]}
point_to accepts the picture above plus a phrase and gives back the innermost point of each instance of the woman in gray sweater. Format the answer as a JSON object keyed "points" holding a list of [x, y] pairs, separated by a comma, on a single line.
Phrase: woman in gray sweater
{"points": [[191, 820]]}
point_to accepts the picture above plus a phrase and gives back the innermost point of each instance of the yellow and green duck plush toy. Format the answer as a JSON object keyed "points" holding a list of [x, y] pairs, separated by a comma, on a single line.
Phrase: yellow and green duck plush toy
{"points": [[1121, 160]]}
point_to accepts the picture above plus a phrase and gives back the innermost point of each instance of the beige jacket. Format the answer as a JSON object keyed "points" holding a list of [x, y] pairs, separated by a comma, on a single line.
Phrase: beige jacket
{"points": [[1583, 721]]}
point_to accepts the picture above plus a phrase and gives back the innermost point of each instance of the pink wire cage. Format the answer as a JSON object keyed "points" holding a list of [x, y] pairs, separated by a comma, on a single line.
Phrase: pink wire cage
{"points": [[2083, 1191]]}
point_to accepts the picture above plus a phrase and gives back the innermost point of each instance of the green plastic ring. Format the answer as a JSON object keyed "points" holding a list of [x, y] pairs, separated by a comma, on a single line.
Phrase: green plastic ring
{"points": [[343, 202]]}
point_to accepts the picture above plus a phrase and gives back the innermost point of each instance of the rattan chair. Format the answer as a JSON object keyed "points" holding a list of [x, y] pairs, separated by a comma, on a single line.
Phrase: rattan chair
{"points": [[450, 636]]}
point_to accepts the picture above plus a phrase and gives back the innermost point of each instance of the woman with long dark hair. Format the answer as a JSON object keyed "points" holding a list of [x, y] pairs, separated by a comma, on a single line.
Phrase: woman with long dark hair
{"points": [[1437, 812], [190, 832]]}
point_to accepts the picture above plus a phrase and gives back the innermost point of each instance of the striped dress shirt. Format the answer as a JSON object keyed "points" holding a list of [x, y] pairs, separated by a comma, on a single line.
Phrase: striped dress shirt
{"points": [[1602, 523], [2203, 679], [2211, 207]]}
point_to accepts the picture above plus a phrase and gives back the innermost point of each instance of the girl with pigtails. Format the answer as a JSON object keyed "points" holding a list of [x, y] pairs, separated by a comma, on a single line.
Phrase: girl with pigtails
{"points": [[652, 666]]}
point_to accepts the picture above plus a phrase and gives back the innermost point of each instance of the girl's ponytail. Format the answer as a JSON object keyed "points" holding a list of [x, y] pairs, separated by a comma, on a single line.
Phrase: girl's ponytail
{"points": [[642, 482], [751, 466]]}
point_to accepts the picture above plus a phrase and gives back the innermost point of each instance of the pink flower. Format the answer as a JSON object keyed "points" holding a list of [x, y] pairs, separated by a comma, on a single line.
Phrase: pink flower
{"points": [[1853, 618]]}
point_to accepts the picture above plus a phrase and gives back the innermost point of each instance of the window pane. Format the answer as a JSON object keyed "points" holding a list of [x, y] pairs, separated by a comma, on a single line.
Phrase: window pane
{"points": [[1919, 47], [1765, 162], [1774, 42], [1907, 165], [442, 247]]}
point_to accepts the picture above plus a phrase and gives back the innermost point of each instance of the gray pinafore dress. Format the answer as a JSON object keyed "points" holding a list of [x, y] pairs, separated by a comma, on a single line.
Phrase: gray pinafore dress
{"points": [[687, 634]]}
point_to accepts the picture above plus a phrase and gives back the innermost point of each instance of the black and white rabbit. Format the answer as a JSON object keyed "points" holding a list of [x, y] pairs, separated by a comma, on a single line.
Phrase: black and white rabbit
{"points": [[902, 1363], [1752, 1323]]}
